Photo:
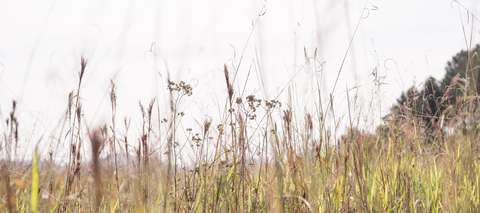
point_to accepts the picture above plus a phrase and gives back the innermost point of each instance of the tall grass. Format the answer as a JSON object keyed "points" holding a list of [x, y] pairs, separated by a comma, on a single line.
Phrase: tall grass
{"points": [[259, 156], [263, 156]]}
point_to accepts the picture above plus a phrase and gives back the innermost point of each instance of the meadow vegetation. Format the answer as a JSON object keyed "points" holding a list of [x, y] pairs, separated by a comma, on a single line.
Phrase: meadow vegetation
{"points": [[262, 156], [423, 158]]}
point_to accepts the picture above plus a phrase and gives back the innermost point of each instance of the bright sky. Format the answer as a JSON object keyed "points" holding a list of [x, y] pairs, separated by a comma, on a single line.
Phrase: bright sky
{"points": [[42, 41]]}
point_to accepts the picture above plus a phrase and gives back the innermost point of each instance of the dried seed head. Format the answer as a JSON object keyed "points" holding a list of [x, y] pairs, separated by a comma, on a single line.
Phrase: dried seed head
{"points": [[206, 126], [97, 140], [453, 82], [83, 64], [287, 116], [309, 121], [70, 104], [427, 107], [238, 100], [142, 109], [229, 85], [150, 107], [113, 96], [79, 111]]}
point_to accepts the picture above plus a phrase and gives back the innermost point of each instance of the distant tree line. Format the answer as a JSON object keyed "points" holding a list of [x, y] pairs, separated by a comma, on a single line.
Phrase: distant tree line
{"points": [[437, 105]]}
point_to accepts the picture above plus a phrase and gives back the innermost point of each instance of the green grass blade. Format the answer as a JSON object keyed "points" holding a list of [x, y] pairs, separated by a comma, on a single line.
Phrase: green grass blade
{"points": [[34, 188]]}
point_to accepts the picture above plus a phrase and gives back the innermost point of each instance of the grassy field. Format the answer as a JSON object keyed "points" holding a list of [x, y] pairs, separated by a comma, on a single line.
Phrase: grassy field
{"points": [[255, 154], [262, 157]]}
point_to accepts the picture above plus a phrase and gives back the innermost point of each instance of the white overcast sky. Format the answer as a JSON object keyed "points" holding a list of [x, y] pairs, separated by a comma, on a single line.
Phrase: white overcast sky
{"points": [[41, 43]]}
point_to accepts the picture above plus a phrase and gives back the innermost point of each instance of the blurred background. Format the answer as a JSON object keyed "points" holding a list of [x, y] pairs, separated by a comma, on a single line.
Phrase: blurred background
{"points": [[274, 48]]}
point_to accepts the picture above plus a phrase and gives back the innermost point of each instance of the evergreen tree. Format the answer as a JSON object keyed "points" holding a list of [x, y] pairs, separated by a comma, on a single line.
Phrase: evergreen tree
{"points": [[427, 106], [424, 105], [461, 64]]}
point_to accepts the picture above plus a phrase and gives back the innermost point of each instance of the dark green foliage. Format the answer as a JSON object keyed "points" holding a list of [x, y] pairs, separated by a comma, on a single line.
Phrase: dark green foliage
{"points": [[424, 104], [462, 63], [429, 102], [433, 105]]}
